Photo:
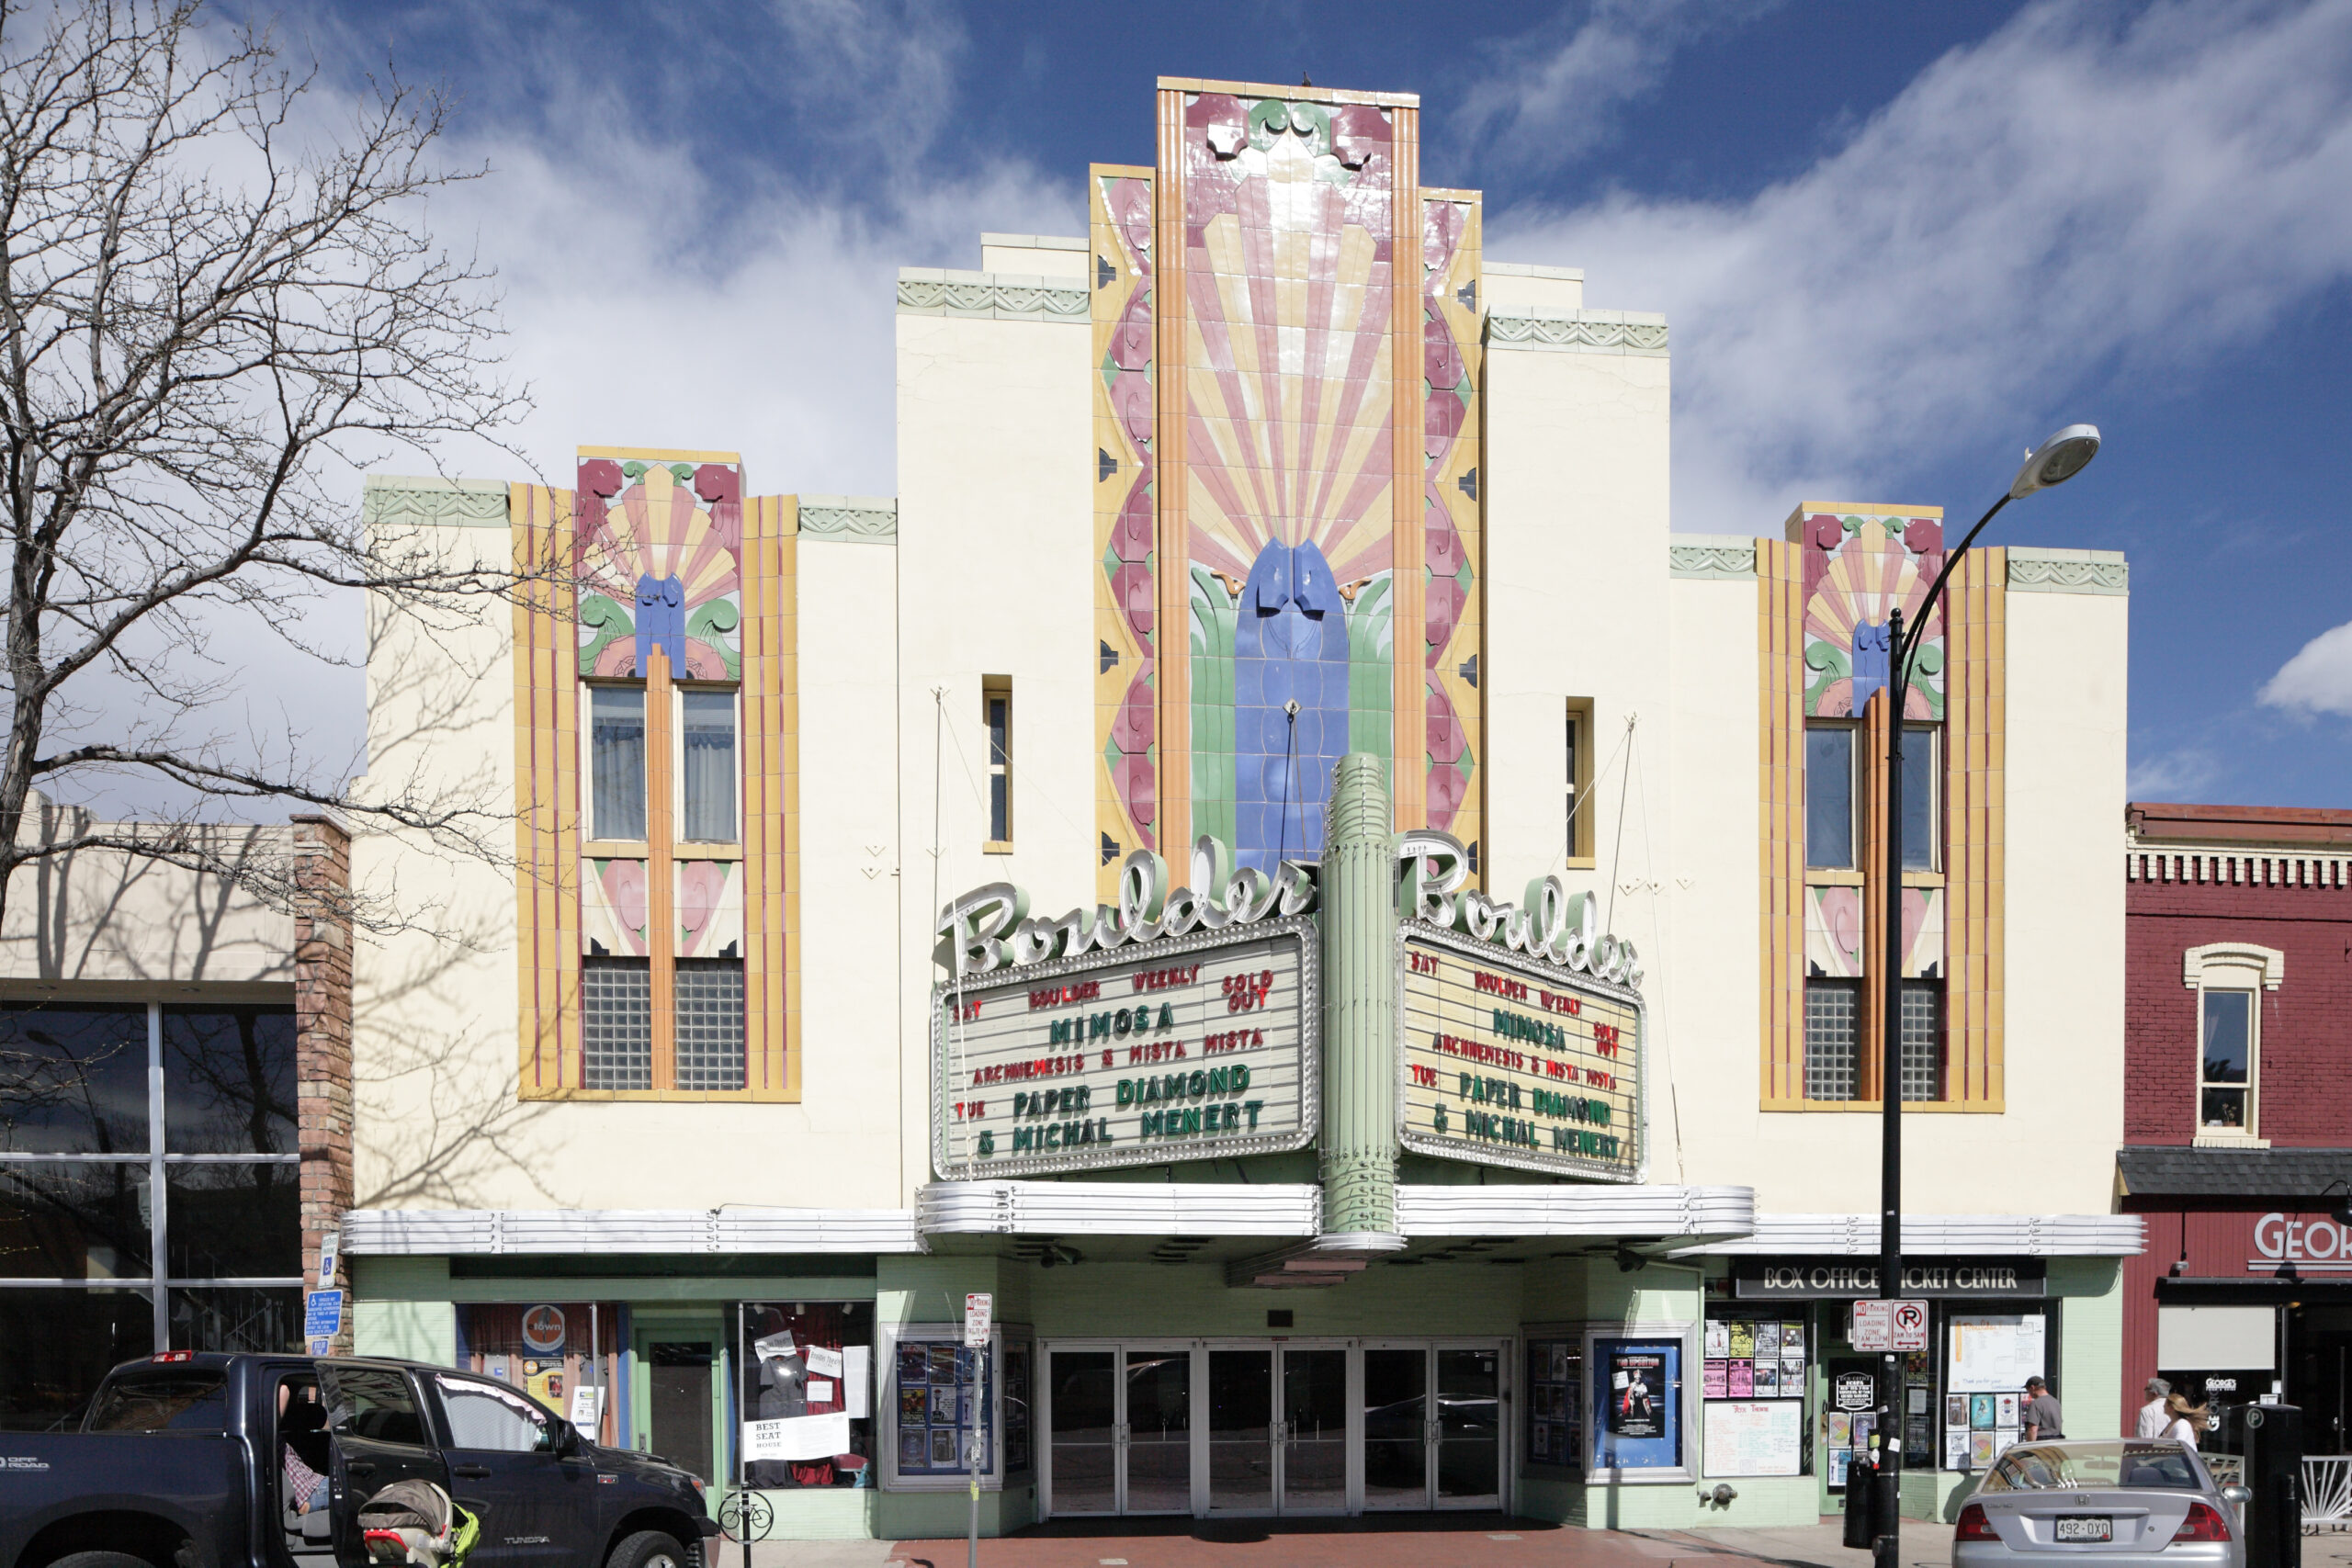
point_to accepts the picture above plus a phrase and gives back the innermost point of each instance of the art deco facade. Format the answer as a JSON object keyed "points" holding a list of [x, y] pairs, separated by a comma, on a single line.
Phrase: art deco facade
{"points": [[1272, 468]]}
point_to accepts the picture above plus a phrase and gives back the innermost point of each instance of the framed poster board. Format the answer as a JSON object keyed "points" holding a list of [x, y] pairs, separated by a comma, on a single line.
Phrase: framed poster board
{"points": [[1753, 1437]]}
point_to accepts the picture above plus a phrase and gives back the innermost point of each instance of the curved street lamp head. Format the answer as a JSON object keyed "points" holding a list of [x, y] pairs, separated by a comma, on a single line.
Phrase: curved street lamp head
{"points": [[2056, 460]]}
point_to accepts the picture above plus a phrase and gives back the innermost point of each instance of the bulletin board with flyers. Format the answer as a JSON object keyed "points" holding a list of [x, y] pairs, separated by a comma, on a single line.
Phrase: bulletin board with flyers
{"points": [[1753, 1371], [1554, 1382]]}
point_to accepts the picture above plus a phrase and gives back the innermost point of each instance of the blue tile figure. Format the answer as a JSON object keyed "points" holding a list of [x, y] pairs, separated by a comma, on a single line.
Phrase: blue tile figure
{"points": [[661, 623], [1872, 655], [1291, 646]]}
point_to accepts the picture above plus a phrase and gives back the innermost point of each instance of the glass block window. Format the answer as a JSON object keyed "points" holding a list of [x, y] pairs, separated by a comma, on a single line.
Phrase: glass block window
{"points": [[1833, 1010], [617, 1023], [1923, 1039], [710, 1023]]}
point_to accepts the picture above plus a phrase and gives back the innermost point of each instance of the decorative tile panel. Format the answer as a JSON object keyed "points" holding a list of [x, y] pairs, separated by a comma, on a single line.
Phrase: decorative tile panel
{"points": [[1452, 536], [709, 906], [1858, 566], [660, 562], [1833, 933], [615, 909], [1127, 486]]}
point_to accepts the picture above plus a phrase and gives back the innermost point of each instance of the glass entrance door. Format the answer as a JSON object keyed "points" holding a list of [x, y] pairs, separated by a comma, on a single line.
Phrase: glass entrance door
{"points": [[1469, 1426], [1241, 1432], [1081, 1403], [1156, 1426], [1395, 1427], [1313, 1418]]}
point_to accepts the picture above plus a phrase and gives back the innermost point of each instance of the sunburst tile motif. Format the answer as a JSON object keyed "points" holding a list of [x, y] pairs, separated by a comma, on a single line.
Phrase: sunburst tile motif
{"points": [[1289, 447], [1858, 569], [658, 553]]}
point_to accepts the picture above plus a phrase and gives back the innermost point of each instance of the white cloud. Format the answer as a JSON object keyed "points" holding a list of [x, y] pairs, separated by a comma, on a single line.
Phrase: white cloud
{"points": [[2318, 679], [1544, 103], [2089, 192], [2186, 773]]}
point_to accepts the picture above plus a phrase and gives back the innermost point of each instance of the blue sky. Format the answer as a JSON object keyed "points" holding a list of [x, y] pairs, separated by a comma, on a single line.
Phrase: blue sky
{"points": [[1898, 244]]}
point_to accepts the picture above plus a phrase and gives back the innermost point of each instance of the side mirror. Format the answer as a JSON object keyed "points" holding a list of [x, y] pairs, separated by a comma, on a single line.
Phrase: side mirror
{"points": [[2236, 1496]]}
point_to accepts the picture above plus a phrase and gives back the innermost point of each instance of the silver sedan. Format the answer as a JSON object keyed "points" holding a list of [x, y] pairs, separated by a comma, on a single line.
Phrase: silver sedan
{"points": [[2118, 1504]]}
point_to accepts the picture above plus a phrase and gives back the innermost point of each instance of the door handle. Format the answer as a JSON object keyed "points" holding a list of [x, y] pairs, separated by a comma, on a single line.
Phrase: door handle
{"points": [[360, 1467], [471, 1471]]}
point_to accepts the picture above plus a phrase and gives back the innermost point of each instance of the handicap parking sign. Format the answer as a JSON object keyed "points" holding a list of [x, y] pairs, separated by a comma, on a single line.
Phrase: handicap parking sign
{"points": [[323, 1314]]}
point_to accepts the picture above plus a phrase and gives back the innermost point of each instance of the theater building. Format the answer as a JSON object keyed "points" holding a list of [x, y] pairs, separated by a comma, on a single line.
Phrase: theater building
{"points": [[1270, 858], [2238, 1139]]}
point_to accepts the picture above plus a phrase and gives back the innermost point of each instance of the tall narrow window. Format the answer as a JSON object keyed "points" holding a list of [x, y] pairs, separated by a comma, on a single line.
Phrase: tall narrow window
{"points": [[1923, 1035], [1922, 801], [1833, 1010], [710, 1023], [996, 704], [709, 744], [2225, 1062], [616, 760], [617, 1023], [1829, 796], [1578, 775]]}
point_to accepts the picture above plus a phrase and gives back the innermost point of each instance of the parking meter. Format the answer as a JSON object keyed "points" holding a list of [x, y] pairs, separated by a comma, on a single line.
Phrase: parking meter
{"points": [[2269, 1438]]}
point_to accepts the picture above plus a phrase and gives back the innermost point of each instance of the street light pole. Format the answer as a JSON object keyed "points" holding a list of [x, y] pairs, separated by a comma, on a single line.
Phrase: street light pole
{"points": [[2055, 462]]}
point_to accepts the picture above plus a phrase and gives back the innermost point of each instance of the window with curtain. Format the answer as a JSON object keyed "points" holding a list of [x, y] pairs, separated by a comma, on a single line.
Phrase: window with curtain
{"points": [[616, 760], [709, 747], [2226, 1062], [1922, 799], [1829, 796]]}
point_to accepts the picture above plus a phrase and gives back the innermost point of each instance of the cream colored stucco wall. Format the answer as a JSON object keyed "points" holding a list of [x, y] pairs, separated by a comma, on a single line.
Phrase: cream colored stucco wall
{"points": [[995, 552], [1576, 513], [435, 1051], [105, 921], [1516, 286], [1044, 255], [1705, 1013]]}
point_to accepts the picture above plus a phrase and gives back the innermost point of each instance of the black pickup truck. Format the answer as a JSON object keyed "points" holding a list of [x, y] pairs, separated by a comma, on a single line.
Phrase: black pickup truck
{"points": [[194, 1460]]}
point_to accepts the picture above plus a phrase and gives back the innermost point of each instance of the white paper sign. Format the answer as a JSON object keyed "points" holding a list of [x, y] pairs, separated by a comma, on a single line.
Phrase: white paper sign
{"points": [[795, 1437], [823, 1363], [978, 1306], [587, 1410], [821, 1391], [776, 1343], [1764, 1437], [857, 1380], [1994, 1353]]}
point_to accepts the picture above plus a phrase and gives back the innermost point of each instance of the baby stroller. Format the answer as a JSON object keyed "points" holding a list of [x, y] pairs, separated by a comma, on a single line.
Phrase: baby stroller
{"points": [[413, 1524]]}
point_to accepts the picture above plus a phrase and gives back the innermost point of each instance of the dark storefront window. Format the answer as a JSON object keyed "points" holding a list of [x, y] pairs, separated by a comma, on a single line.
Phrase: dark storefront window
{"points": [[808, 1370], [177, 1226]]}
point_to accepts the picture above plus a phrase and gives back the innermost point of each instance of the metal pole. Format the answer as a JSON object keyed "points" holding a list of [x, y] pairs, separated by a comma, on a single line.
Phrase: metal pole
{"points": [[972, 1463], [1891, 1409], [743, 1465]]}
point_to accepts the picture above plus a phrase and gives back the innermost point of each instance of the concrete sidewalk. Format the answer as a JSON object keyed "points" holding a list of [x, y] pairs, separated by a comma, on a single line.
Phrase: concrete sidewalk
{"points": [[1453, 1540]]}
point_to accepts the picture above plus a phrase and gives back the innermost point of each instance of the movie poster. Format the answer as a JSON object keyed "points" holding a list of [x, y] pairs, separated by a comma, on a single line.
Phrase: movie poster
{"points": [[1637, 1391]]}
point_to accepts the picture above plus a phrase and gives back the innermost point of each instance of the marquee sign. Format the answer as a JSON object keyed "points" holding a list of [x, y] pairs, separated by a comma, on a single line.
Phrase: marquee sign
{"points": [[1193, 1047], [1510, 1060]]}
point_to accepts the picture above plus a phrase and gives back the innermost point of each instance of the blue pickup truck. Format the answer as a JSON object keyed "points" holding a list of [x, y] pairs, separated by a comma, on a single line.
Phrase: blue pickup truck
{"points": [[191, 1461]]}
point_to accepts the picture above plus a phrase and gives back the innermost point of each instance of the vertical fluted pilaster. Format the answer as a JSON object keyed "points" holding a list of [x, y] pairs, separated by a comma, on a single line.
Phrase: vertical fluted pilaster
{"points": [[1358, 922]]}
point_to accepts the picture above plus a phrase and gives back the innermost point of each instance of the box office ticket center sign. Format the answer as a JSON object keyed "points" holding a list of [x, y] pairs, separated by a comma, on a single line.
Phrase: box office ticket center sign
{"points": [[1522, 1026], [1171, 1027]]}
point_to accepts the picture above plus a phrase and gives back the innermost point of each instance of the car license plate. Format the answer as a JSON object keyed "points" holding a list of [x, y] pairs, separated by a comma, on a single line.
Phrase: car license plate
{"points": [[2085, 1527]]}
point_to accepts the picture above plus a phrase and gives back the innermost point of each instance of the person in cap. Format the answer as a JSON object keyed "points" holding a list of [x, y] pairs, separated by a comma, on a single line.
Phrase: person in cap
{"points": [[2153, 1416], [2043, 1422]]}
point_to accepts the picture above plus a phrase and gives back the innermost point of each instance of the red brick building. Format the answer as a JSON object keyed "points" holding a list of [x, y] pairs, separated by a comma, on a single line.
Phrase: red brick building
{"points": [[2237, 1122]]}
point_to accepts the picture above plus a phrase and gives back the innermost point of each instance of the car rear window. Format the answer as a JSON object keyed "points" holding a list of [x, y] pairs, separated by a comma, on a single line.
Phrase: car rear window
{"points": [[178, 1399], [2036, 1466]]}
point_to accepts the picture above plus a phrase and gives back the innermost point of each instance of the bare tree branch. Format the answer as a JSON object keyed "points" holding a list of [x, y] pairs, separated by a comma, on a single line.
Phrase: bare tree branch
{"points": [[210, 318]]}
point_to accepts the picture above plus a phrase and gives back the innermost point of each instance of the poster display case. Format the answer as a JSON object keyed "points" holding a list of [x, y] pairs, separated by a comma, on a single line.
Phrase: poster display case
{"points": [[1641, 1402], [934, 1411], [1753, 1368]]}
